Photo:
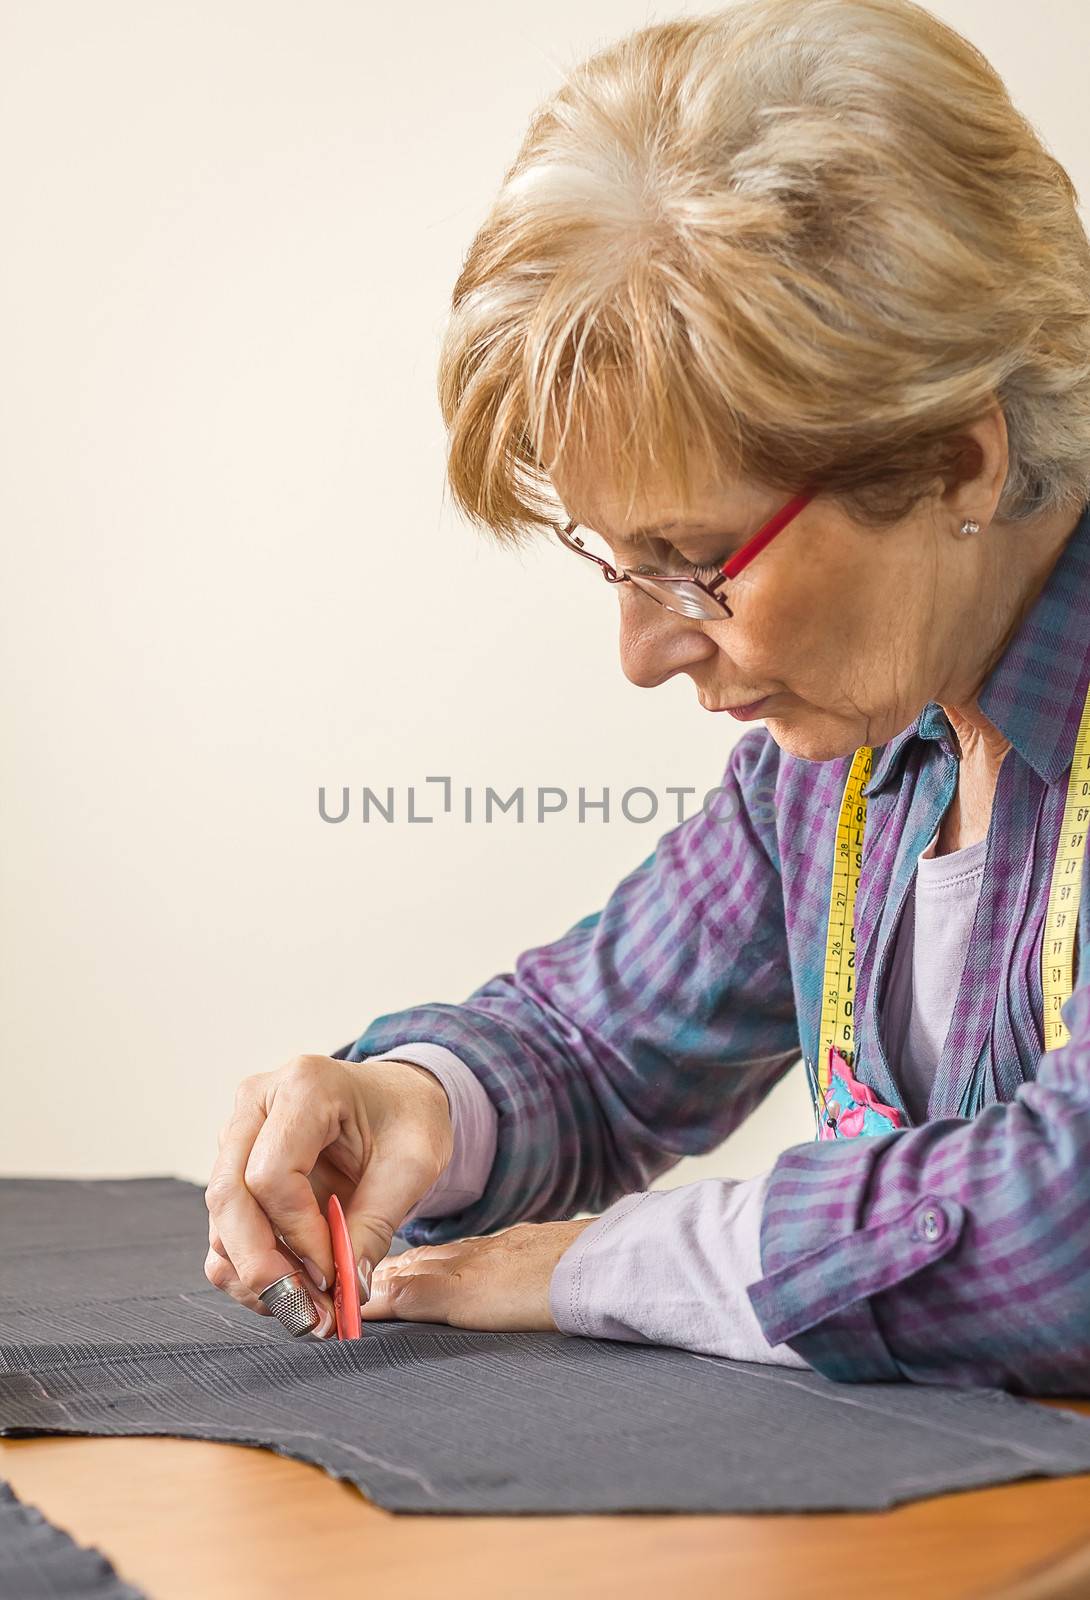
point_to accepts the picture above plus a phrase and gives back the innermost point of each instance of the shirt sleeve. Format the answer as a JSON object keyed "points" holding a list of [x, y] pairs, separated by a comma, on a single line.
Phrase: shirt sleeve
{"points": [[671, 1267], [955, 1253], [473, 1124], [645, 1033]]}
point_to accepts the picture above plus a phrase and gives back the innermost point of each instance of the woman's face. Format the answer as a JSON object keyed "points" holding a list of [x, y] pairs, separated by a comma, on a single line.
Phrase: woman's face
{"points": [[847, 630]]}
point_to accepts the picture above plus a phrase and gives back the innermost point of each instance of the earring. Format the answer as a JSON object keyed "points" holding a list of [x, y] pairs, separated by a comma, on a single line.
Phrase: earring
{"points": [[969, 526]]}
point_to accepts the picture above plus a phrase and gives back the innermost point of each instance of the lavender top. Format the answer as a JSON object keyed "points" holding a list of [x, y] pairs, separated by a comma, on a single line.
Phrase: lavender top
{"points": [[929, 953], [653, 1026]]}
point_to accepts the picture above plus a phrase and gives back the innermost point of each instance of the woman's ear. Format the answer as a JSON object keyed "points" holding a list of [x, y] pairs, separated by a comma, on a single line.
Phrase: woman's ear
{"points": [[976, 470]]}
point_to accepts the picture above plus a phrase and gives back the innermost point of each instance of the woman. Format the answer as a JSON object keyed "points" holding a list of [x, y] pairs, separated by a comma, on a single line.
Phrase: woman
{"points": [[784, 314]]}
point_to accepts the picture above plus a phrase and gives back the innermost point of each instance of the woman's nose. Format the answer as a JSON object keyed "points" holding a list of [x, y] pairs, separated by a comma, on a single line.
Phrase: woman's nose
{"points": [[656, 643]]}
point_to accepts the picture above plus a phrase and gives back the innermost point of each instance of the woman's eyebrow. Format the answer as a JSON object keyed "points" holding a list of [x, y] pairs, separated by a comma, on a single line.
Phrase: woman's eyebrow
{"points": [[691, 536], [678, 533], [703, 525]]}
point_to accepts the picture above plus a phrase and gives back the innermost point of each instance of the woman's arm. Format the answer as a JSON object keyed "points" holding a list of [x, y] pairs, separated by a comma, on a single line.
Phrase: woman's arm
{"points": [[646, 1033], [671, 1266], [957, 1252]]}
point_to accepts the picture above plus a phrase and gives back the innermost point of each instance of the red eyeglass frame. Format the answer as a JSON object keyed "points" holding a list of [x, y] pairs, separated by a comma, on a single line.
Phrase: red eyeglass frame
{"points": [[730, 568]]}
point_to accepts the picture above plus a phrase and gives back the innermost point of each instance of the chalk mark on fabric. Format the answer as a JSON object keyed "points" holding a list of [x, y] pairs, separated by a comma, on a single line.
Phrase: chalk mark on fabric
{"points": [[233, 1325], [862, 1405], [45, 1394], [355, 1450]]}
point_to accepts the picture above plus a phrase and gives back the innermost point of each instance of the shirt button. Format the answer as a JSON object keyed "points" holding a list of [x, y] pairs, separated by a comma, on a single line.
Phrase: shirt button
{"points": [[932, 1224]]}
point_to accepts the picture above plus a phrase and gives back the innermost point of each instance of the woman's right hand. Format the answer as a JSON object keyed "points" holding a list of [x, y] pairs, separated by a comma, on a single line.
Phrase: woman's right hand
{"points": [[376, 1134]]}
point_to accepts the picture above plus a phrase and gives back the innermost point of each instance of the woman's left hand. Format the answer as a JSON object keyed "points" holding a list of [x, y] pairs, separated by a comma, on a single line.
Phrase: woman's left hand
{"points": [[498, 1281]]}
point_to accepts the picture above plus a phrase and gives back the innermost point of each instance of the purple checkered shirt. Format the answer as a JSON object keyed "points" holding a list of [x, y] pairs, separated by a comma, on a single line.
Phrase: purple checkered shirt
{"points": [[953, 1251]]}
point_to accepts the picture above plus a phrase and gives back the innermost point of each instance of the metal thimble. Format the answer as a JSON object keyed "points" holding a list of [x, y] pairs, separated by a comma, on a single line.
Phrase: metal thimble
{"points": [[290, 1303]]}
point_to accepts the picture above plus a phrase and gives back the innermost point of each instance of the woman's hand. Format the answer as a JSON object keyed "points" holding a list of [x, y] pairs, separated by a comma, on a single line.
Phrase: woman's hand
{"points": [[498, 1281], [376, 1134]]}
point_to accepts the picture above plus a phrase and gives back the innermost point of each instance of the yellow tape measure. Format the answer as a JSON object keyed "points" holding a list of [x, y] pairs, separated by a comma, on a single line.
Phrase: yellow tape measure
{"points": [[1061, 917], [838, 989]]}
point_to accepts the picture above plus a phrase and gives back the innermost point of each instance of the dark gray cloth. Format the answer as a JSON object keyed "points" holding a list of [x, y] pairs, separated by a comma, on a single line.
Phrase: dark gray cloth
{"points": [[41, 1562], [108, 1326]]}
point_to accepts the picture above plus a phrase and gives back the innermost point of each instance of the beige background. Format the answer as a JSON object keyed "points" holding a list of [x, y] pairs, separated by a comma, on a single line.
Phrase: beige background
{"points": [[230, 232]]}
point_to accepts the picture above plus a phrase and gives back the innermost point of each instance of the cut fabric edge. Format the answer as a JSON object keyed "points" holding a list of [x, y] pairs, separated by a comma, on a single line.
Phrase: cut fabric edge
{"points": [[65, 1561]]}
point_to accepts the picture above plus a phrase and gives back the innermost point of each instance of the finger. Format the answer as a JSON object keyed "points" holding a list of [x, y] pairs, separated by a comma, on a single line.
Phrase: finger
{"points": [[426, 1258], [281, 1168], [221, 1275], [420, 1296], [244, 1230], [322, 1188], [401, 1169]]}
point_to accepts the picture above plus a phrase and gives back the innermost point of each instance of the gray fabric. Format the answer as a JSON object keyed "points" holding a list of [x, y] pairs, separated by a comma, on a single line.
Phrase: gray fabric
{"points": [[107, 1326], [41, 1562]]}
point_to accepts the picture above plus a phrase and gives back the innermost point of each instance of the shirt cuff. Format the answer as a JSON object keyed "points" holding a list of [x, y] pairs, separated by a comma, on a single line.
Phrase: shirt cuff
{"points": [[671, 1267], [826, 1261], [474, 1122]]}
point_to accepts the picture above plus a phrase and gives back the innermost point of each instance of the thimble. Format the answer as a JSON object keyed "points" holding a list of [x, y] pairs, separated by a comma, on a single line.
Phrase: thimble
{"points": [[290, 1303]]}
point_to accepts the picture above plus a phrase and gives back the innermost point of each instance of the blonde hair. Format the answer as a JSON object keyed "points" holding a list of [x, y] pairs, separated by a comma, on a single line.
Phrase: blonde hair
{"points": [[810, 239]]}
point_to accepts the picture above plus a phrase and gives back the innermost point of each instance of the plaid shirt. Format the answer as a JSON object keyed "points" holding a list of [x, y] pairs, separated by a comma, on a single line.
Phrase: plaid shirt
{"points": [[956, 1251]]}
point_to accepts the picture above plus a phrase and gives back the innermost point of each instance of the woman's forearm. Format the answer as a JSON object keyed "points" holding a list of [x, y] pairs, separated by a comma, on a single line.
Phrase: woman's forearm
{"points": [[671, 1267]]}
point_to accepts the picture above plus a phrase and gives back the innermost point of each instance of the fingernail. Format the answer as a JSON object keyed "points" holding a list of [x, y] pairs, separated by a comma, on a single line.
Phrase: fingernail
{"points": [[326, 1326], [317, 1277], [363, 1272]]}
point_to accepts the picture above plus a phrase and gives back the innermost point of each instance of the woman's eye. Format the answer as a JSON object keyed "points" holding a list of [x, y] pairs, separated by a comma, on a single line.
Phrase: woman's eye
{"points": [[668, 562], [707, 570]]}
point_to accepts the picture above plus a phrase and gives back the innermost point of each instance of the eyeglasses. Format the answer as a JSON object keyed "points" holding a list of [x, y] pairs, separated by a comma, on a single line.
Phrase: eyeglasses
{"points": [[690, 597]]}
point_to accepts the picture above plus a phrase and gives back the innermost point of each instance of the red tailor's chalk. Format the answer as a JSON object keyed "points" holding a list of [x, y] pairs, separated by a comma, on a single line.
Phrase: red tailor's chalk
{"points": [[346, 1286]]}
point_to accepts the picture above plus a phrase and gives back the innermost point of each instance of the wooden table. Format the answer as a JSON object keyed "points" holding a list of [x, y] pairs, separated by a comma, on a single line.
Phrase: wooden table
{"points": [[187, 1520]]}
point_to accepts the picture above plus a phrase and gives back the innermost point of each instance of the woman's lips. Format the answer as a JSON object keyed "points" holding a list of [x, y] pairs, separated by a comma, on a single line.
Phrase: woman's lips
{"points": [[746, 713]]}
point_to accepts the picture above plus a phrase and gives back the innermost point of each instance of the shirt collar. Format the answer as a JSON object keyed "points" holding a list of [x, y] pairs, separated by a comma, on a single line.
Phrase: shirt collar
{"points": [[1035, 692]]}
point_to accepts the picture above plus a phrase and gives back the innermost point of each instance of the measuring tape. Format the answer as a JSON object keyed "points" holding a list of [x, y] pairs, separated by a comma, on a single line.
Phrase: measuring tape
{"points": [[1061, 917], [838, 991]]}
